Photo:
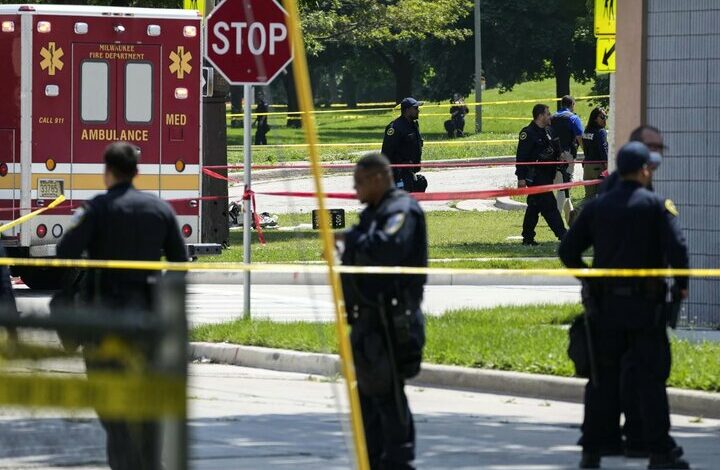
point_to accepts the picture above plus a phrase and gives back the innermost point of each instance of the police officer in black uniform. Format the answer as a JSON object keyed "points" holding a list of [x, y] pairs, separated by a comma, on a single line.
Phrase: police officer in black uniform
{"points": [[403, 143], [388, 329], [537, 144], [629, 227], [261, 122], [123, 224]]}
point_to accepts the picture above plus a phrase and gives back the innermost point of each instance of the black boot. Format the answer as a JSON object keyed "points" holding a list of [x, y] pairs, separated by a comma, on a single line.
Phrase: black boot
{"points": [[590, 460], [669, 460]]}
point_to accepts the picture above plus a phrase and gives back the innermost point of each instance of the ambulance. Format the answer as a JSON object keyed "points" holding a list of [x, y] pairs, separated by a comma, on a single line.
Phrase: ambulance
{"points": [[73, 80]]}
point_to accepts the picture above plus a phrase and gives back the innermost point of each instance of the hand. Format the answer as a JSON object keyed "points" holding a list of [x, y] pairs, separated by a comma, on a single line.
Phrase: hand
{"points": [[684, 294], [339, 236], [522, 184]]}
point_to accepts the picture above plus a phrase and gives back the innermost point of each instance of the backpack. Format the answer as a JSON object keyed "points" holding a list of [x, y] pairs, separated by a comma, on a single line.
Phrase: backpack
{"points": [[562, 126]]}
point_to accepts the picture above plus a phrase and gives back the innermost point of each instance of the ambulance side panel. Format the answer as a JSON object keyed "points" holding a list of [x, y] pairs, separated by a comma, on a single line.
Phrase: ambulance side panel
{"points": [[114, 81]]}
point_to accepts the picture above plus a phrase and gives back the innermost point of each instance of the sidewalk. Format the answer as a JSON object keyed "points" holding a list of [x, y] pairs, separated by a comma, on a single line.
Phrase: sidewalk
{"points": [[547, 387]]}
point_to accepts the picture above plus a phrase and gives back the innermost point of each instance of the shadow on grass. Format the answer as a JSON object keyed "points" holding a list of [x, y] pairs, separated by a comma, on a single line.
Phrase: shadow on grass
{"points": [[501, 249]]}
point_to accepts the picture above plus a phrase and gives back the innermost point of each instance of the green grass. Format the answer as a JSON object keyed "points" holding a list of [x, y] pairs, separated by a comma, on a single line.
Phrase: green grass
{"points": [[451, 234], [523, 339], [369, 126]]}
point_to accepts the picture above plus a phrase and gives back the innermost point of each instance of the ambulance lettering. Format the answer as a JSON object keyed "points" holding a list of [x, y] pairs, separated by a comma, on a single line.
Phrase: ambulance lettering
{"points": [[175, 119], [117, 51], [111, 135], [51, 120]]}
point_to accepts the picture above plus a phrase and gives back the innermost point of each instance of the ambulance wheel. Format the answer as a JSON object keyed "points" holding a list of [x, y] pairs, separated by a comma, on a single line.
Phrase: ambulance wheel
{"points": [[46, 278]]}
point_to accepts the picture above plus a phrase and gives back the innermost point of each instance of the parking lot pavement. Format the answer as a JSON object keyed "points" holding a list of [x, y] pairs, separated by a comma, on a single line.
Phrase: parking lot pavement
{"points": [[255, 419]]}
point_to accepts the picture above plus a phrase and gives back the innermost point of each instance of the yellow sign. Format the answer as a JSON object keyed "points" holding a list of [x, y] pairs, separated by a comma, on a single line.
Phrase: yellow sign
{"points": [[605, 17], [605, 55], [180, 62], [195, 5], [51, 58]]}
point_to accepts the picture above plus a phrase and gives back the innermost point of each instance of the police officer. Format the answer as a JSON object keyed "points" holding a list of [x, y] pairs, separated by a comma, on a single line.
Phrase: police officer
{"points": [[568, 127], [261, 122], [595, 147], [123, 224], [653, 140], [629, 227], [537, 144], [8, 307], [457, 117], [403, 143], [388, 329], [633, 445]]}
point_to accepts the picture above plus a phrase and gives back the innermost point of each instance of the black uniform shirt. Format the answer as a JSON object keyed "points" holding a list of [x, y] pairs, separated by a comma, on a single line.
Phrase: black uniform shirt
{"points": [[629, 227], [595, 144], [536, 144], [124, 224], [262, 107], [403, 142], [393, 233]]}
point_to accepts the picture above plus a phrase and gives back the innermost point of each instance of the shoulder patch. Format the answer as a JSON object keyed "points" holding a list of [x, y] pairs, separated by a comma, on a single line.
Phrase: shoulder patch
{"points": [[394, 223], [390, 131], [523, 135], [670, 207]]}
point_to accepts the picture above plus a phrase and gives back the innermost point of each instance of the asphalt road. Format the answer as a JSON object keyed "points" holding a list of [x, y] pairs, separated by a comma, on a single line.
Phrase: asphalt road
{"points": [[462, 179], [213, 303], [250, 419]]}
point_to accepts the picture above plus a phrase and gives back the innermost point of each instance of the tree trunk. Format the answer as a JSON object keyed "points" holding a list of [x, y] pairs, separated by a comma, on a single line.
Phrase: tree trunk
{"points": [[332, 83], [561, 66], [403, 68], [293, 120]]}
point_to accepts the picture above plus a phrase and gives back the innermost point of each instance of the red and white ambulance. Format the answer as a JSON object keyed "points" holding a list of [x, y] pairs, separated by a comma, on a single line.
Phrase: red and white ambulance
{"points": [[76, 78]]}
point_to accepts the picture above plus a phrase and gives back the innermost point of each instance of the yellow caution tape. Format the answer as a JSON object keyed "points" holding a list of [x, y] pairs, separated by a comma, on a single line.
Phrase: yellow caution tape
{"points": [[116, 396], [294, 268], [379, 144], [438, 105], [29, 216]]}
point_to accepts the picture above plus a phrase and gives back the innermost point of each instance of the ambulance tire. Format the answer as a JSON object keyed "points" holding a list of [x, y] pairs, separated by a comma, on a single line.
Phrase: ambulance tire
{"points": [[45, 278]]}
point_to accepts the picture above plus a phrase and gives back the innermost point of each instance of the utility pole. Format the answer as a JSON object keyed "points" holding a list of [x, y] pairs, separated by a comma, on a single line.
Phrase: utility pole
{"points": [[478, 69]]}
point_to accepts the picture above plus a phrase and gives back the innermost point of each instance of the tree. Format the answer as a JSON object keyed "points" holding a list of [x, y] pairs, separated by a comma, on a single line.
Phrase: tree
{"points": [[391, 29], [537, 39]]}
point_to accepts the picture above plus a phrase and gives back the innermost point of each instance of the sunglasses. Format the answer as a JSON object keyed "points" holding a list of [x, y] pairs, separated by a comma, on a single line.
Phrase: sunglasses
{"points": [[603, 117]]}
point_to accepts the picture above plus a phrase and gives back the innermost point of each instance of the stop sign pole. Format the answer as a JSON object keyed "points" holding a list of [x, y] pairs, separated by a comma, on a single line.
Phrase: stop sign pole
{"points": [[248, 43]]}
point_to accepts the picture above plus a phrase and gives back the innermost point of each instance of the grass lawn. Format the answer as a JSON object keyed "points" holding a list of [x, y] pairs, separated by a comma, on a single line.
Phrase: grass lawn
{"points": [[452, 235], [523, 339], [368, 127]]}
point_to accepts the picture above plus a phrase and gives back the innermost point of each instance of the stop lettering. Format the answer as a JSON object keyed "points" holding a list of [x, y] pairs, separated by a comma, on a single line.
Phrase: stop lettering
{"points": [[258, 38], [247, 41]]}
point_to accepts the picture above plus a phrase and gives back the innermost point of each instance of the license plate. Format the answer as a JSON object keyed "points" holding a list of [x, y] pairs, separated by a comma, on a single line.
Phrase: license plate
{"points": [[50, 189]]}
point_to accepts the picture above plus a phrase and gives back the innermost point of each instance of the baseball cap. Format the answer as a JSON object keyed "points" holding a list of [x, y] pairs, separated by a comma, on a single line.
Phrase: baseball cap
{"points": [[410, 102], [635, 155]]}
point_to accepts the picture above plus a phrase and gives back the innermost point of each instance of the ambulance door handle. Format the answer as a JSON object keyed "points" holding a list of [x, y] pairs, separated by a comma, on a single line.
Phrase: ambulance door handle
{"points": [[193, 203]]}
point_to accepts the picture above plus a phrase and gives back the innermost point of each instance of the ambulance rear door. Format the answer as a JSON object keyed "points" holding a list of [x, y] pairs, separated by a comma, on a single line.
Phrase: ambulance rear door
{"points": [[116, 98]]}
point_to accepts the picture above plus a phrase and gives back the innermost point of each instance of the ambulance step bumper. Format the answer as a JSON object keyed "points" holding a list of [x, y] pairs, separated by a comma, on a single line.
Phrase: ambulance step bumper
{"points": [[204, 249]]}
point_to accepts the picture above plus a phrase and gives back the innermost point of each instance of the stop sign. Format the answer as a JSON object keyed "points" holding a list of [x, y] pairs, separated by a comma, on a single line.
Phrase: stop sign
{"points": [[248, 41]]}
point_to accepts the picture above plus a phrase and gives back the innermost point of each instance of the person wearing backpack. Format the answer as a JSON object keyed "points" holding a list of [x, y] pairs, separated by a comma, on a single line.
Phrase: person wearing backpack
{"points": [[568, 127]]}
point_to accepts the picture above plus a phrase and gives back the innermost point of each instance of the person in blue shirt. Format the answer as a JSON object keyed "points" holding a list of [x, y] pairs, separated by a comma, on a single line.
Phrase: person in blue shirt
{"points": [[568, 127], [595, 147]]}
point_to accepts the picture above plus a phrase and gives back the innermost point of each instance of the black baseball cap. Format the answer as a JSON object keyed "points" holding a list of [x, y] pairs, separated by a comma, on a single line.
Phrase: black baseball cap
{"points": [[410, 102], [635, 155]]}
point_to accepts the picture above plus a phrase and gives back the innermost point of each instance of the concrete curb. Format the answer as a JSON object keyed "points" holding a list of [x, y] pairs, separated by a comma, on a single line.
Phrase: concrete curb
{"points": [[505, 203], [684, 402], [318, 279]]}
